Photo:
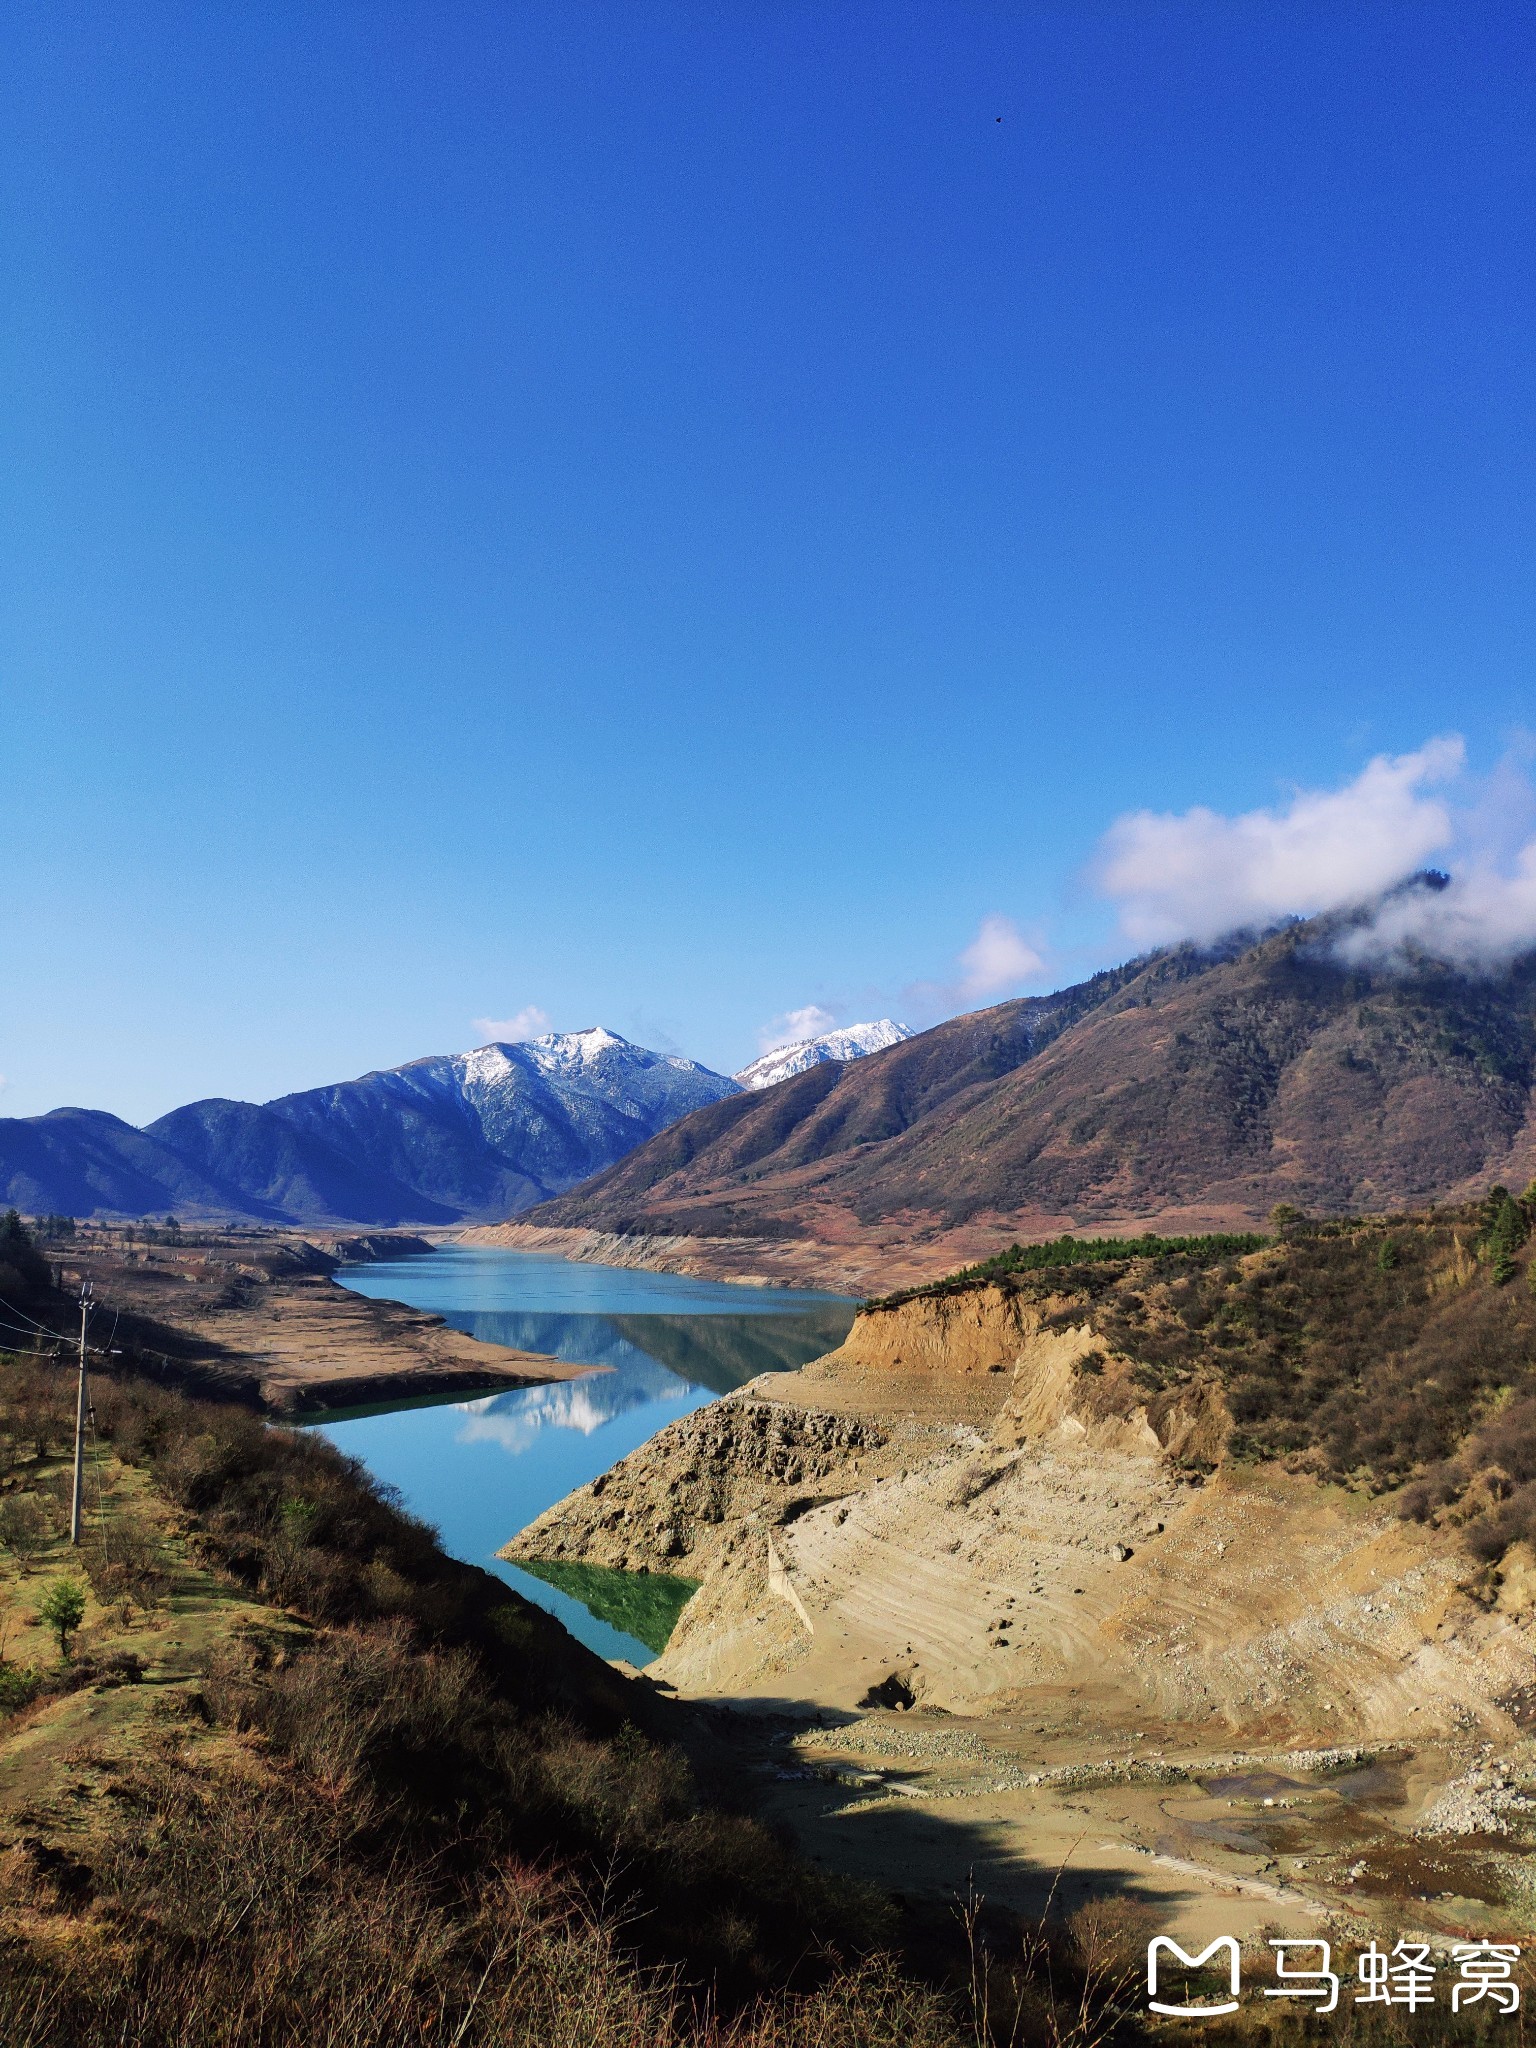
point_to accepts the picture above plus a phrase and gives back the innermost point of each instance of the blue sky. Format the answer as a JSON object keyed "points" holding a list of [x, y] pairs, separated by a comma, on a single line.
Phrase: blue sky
{"points": [[671, 515]]}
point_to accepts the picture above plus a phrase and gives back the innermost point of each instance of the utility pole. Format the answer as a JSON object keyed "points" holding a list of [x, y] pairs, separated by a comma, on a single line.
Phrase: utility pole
{"points": [[74, 1512]]}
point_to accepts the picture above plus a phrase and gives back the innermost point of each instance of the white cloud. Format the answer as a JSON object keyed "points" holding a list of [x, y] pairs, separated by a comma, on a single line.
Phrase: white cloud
{"points": [[997, 959], [1198, 874], [793, 1027], [996, 962], [1482, 918], [530, 1022]]}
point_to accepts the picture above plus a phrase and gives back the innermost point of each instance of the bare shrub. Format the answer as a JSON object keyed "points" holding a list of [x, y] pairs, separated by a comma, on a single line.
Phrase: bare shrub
{"points": [[246, 1916], [38, 1414], [125, 1559], [26, 1528]]}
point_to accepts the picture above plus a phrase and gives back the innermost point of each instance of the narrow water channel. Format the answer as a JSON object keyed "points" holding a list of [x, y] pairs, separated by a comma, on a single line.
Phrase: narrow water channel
{"points": [[481, 1470]]}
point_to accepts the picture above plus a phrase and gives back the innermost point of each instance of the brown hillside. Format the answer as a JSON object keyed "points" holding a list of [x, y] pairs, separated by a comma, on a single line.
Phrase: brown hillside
{"points": [[1184, 1091], [1130, 1553]]}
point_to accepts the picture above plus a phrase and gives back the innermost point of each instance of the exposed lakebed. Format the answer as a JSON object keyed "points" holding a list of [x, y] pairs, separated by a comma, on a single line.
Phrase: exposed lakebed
{"points": [[482, 1469]]}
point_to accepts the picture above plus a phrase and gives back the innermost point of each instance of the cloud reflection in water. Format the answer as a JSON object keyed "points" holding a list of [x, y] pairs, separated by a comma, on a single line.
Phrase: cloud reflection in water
{"points": [[663, 1359], [588, 1404]]}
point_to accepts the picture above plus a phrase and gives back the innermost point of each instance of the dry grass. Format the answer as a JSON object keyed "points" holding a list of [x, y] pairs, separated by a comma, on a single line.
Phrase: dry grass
{"points": [[416, 1813], [232, 1913]]}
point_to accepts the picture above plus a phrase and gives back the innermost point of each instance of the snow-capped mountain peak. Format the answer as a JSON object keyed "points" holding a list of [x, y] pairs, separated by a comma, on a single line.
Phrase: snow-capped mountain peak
{"points": [[853, 1042], [580, 1048], [475, 1135]]}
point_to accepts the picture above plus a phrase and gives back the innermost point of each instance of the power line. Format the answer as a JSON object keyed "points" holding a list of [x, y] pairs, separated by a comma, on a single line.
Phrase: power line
{"points": [[17, 1330], [24, 1317], [58, 1337]]}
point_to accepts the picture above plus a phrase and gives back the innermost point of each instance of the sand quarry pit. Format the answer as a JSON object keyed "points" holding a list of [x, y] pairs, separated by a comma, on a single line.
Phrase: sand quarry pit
{"points": [[981, 1616]]}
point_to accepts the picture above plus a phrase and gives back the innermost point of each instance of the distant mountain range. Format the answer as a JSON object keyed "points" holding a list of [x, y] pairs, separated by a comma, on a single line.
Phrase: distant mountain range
{"points": [[854, 1042], [1191, 1089], [474, 1136], [469, 1136]]}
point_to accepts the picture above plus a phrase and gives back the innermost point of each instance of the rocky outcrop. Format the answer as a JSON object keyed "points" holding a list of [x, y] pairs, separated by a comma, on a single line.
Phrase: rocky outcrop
{"points": [[1063, 1379], [671, 1505], [372, 1246], [986, 1330], [979, 1497]]}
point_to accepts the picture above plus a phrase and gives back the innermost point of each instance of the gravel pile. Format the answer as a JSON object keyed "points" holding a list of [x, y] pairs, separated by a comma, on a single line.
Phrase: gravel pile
{"points": [[1481, 1803], [1126, 1771], [1328, 1759], [878, 1739]]}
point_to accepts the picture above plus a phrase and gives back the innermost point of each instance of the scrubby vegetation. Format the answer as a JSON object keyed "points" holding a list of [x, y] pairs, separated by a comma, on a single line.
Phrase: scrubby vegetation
{"points": [[1078, 1251], [1394, 1352], [444, 1714], [372, 1796]]}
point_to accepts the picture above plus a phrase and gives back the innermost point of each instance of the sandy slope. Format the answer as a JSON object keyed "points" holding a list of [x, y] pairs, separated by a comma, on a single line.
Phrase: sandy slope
{"points": [[982, 1510]]}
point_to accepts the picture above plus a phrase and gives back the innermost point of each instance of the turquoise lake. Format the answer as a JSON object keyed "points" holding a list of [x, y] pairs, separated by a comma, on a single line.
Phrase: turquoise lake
{"points": [[479, 1470]]}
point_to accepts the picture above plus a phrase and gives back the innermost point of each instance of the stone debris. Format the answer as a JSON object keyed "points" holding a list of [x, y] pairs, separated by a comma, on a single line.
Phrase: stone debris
{"points": [[1003, 1773], [1332, 1759], [917, 1745], [1122, 1771], [1481, 1803], [958, 1745]]}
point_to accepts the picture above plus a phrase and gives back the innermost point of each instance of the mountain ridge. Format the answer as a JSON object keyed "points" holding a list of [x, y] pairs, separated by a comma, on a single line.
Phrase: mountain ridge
{"points": [[1193, 1088], [851, 1042], [447, 1138]]}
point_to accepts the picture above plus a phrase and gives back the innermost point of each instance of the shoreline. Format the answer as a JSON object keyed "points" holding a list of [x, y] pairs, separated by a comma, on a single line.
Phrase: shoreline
{"points": [[265, 1322], [763, 1263], [851, 1259]]}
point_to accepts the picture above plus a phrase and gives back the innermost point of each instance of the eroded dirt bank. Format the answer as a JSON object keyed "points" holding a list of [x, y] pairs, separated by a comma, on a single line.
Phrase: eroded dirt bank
{"points": [[258, 1315], [836, 1251], [848, 1260], [987, 1558]]}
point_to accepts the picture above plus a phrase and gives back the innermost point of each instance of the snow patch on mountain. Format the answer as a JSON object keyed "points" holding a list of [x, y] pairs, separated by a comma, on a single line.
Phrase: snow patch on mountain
{"points": [[559, 1107], [475, 1135], [853, 1042], [463, 1137]]}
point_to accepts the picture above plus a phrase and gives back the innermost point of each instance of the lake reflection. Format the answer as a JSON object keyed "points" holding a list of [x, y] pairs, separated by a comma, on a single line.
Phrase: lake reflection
{"points": [[481, 1470]]}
